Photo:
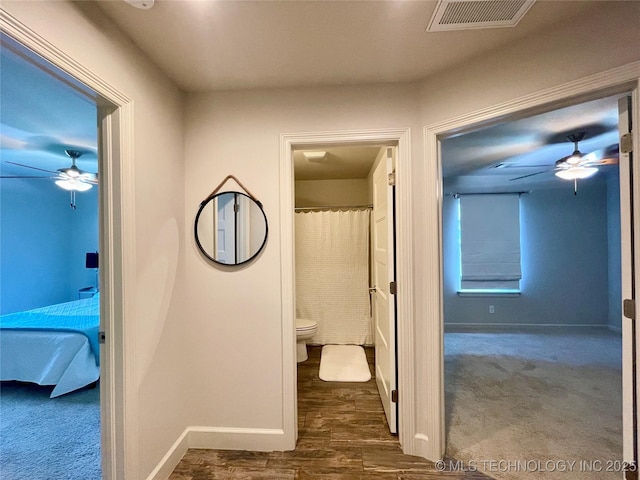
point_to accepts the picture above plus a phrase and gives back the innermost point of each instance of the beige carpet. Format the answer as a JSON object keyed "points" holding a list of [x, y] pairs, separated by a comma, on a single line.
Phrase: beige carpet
{"points": [[523, 418]]}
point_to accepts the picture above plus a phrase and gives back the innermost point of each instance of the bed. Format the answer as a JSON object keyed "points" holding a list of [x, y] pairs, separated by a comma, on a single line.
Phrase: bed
{"points": [[53, 345]]}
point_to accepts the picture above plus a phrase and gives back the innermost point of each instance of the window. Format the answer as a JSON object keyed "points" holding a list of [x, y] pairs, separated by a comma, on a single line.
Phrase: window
{"points": [[490, 243]]}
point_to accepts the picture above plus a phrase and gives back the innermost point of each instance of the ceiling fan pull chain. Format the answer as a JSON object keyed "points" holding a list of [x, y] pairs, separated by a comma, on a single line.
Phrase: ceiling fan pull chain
{"points": [[575, 187], [73, 199]]}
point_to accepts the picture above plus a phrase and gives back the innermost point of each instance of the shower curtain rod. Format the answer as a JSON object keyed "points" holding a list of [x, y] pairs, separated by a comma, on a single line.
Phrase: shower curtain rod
{"points": [[337, 207]]}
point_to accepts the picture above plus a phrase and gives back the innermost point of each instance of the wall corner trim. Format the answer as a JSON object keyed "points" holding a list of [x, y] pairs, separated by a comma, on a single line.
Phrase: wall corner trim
{"points": [[219, 438], [171, 459]]}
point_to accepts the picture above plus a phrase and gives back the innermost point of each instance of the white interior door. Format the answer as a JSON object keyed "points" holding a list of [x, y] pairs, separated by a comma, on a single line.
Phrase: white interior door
{"points": [[630, 385], [383, 273]]}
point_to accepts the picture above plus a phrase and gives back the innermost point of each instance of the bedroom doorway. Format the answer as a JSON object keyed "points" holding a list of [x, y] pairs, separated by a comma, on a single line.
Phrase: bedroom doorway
{"points": [[114, 126], [554, 343], [50, 228], [615, 82]]}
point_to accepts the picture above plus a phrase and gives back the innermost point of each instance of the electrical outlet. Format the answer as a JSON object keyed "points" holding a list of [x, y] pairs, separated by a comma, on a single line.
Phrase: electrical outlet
{"points": [[492, 309]]}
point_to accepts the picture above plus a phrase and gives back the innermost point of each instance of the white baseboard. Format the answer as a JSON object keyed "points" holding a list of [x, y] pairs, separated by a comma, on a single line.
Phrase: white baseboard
{"points": [[220, 438], [171, 459], [524, 327], [254, 439]]}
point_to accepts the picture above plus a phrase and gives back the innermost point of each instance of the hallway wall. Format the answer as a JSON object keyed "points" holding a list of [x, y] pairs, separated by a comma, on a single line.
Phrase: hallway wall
{"points": [[199, 328]]}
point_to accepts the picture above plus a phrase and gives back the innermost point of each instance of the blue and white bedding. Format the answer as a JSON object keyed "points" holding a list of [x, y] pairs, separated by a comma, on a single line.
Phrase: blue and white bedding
{"points": [[53, 345]]}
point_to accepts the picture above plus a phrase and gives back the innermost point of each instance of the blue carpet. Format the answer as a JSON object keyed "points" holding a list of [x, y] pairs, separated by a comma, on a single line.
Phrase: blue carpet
{"points": [[44, 438]]}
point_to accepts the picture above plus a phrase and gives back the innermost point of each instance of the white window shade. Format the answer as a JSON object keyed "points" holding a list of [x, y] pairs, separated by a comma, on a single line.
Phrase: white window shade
{"points": [[490, 242]]}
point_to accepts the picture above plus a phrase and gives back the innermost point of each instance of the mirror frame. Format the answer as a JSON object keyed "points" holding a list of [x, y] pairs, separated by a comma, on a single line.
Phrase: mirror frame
{"points": [[204, 203]]}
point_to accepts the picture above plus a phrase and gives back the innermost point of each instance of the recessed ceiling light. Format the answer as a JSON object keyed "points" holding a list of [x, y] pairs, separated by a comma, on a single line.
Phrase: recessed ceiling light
{"points": [[315, 156], [142, 4]]}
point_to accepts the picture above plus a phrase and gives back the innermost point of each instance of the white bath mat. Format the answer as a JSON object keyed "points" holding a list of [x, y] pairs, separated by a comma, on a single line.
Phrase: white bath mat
{"points": [[344, 363]]}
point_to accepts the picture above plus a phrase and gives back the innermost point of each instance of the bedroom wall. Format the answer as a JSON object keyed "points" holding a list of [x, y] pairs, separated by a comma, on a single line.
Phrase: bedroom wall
{"points": [[43, 243], [314, 193], [564, 245], [161, 374]]}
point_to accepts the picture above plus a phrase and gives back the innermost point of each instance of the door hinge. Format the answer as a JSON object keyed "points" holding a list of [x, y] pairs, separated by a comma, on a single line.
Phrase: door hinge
{"points": [[393, 288], [626, 143], [102, 337], [631, 473], [392, 179], [236, 208], [394, 396], [629, 308]]}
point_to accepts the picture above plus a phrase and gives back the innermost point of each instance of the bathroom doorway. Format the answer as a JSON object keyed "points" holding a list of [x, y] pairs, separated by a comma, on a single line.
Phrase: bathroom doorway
{"points": [[345, 263], [398, 138]]}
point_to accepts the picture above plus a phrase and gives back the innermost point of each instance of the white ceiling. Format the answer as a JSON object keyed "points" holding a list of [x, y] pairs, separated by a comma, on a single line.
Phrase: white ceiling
{"points": [[353, 162], [280, 43], [212, 45]]}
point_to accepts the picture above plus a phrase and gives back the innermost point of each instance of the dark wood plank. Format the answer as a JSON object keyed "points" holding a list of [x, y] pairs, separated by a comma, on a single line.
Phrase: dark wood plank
{"points": [[342, 435]]}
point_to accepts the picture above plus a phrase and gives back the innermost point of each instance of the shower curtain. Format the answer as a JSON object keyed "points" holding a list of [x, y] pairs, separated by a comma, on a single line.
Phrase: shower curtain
{"points": [[332, 275]]}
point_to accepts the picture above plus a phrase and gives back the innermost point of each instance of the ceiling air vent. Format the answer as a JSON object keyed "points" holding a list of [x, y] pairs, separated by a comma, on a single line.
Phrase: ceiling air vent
{"points": [[468, 14]]}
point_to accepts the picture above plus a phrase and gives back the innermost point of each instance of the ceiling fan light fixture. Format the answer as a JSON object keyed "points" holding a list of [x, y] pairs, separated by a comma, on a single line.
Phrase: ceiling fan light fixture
{"points": [[576, 173], [575, 158], [72, 185], [71, 172]]}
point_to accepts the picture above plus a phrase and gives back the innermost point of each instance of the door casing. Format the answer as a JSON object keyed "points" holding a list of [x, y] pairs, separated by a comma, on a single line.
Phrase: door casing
{"points": [[117, 273], [404, 264]]}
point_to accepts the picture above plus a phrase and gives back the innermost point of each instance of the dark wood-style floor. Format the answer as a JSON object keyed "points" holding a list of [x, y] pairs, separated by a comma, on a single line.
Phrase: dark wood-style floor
{"points": [[342, 435]]}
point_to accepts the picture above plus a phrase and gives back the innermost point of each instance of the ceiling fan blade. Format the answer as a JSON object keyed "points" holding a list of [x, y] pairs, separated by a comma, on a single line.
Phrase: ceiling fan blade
{"points": [[517, 165], [23, 176], [29, 166], [529, 175], [88, 177], [605, 156]]}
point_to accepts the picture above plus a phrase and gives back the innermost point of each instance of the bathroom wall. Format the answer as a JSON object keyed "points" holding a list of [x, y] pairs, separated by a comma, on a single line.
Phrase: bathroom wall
{"points": [[564, 245], [315, 193]]}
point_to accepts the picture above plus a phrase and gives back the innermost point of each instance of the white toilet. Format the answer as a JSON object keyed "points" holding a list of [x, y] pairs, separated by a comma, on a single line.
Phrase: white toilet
{"points": [[305, 329]]}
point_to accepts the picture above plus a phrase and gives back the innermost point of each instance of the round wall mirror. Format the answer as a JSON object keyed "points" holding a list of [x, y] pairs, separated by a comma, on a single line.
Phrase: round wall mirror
{"points": [[231, 228]]}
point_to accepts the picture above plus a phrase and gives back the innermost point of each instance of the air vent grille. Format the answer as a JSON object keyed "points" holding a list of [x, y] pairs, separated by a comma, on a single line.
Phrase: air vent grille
{"points": [[468, 14]]}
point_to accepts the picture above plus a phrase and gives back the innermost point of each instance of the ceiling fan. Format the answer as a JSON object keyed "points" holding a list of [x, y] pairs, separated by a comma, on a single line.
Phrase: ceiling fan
{"points": [[578, 166], [70, 178]]}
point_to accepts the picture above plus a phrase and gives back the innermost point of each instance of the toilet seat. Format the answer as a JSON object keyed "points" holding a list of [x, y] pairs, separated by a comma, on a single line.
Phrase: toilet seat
{"points": [[305, 330], [304, 325]]}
